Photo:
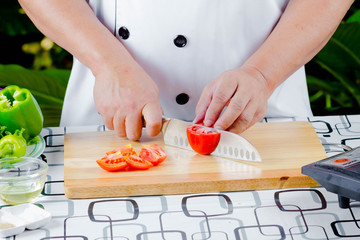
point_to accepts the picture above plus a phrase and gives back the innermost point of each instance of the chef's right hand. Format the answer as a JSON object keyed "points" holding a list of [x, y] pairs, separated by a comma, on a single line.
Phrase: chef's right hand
{"points": [[123, 95]]}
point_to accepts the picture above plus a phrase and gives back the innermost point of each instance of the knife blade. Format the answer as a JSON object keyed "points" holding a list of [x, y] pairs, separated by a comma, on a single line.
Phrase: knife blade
{"points": [[231, 145]]}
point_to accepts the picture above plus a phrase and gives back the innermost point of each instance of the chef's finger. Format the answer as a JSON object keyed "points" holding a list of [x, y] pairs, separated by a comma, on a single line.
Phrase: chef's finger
{"points": [[246, 119], [232, 113], [200, 115], [219, 100], [119, 124], [152, 114], [108, 121], [133, 125], [202, 105]]}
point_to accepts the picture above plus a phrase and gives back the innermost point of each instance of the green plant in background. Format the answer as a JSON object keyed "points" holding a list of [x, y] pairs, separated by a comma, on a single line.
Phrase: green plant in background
{"points": [[13, 19], [34, 62], [333, 76], [47, 55]]}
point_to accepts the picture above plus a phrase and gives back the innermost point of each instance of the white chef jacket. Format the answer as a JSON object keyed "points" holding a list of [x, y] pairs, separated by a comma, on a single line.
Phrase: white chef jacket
{"points": [[183, 45]]}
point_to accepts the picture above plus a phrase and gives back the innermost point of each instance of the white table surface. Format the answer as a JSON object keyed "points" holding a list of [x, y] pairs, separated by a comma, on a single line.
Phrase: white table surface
{"points": [[216, 216]]}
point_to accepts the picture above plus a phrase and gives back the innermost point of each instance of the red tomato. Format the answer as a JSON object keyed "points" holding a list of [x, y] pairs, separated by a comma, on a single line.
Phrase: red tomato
{"points": [[126, 150], [201, 139], [159, 151], [112, 162], [138, 163], [152, 153]]}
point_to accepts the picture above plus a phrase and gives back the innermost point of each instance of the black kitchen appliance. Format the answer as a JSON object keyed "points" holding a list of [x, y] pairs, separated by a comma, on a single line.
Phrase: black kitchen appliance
{"points": [[339, 174]]}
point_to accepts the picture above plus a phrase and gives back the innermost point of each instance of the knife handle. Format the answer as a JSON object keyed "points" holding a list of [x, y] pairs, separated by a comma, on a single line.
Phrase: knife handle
{"points": [[165, 124]]}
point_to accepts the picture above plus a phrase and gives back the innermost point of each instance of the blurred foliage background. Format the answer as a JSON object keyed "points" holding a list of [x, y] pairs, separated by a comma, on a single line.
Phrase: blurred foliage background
{"points": [[29, 59], [333, 75]]}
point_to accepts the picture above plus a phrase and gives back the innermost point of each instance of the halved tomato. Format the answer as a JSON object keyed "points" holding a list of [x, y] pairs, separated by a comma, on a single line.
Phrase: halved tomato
{"points": [[152, 153], [138, 163], [202, 140], [112, 162]]}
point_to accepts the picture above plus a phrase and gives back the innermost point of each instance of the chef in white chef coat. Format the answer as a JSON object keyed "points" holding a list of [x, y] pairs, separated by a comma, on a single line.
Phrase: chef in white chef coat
{"points": [[188, 59]]}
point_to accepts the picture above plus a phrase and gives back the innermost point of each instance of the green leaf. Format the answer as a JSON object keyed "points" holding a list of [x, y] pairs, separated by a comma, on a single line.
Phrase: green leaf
{"points": [[342, 52], [338, 66], [47, 86], [13, 21], [355, 17], [331, 88], [347, 82]]}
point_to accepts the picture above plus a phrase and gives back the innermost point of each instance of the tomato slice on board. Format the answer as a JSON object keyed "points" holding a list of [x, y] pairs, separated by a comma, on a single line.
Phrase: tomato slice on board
{"points": [[138, 163], [126, 150], [159, 151], [202, 139], [125, 156], [112, 162], [152, 153]]}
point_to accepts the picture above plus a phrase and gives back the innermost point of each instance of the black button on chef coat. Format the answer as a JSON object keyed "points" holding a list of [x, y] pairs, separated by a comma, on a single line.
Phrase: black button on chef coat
{"points": [[182, 98], [124, 33], [180, 41]]}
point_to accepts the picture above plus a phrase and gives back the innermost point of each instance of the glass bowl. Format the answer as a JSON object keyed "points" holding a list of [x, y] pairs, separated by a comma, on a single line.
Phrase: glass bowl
{"points": [[21, 179]]}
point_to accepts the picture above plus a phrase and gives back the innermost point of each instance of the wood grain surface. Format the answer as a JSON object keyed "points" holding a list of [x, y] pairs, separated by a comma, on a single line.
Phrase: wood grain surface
{"points": [[284, 148]]}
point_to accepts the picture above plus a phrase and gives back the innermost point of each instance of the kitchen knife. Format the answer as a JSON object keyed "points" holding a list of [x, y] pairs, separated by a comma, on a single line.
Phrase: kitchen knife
{"points": [[231, 145]]}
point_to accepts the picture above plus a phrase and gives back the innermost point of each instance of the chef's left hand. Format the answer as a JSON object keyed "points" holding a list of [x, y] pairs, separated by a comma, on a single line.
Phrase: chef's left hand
{"points": [[245, 93]]}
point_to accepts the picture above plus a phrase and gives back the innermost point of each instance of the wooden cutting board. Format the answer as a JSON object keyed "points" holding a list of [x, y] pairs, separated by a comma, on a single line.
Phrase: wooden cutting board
{"points": [[284, 147]]}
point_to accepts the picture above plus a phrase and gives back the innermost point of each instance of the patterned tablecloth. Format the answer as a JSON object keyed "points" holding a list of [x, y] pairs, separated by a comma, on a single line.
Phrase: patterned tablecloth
{"points": [[307, 213]]}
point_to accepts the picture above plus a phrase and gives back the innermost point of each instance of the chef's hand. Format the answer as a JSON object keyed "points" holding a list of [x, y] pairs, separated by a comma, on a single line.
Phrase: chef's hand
{"points": [[123, 92], [245, 93], [123, 96]]}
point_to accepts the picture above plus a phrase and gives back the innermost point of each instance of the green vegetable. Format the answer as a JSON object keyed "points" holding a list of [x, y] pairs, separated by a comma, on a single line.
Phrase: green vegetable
{"points": [[8, 163], [13, 145], [20, 110]]}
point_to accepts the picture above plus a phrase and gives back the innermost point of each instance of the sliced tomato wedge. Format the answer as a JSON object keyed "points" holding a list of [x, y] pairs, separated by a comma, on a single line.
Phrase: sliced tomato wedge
{"points": [[202, 139], [159, 151], [126, 150], [125, 156], [152, 153], [112, 162], [138, 163]]}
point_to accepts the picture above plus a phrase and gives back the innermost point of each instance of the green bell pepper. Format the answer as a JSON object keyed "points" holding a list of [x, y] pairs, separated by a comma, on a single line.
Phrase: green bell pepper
{"points": [[20, 110], [12, 145]]}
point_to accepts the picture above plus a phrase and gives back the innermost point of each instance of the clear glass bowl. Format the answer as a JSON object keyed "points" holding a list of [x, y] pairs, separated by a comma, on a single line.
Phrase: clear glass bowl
{"points": [[21, 179]]}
